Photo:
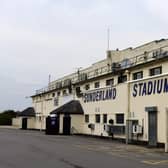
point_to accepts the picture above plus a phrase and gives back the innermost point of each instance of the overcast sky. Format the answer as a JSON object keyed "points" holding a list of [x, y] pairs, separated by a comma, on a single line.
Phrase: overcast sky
{"points": [[42, 37]]}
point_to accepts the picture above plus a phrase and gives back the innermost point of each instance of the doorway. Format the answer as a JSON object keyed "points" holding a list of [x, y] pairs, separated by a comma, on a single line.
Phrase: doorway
{"points": [[52, 125], [24, 123], [67, 124], [152, 128]]}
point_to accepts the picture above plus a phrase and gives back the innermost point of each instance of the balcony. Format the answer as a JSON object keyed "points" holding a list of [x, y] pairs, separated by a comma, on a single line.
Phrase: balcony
{"points": [[109, 68]]}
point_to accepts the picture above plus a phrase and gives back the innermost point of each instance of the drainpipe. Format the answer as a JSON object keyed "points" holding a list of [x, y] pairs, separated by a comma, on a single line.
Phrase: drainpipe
{"points": [[166, 133], [41, 112], [128, 131]]}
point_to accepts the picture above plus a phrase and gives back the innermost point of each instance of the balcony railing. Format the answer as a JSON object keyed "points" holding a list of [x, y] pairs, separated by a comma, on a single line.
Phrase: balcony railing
{"points": [[116, 66]]}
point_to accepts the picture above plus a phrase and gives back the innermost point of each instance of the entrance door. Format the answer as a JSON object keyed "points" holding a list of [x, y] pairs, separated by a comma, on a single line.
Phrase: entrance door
{"points": [[66, 125], [52, 125], [24, 123], [152, 126]]}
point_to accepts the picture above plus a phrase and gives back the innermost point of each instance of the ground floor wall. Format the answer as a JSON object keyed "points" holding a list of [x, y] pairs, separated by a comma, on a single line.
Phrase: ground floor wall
{"points": [[17, 122], [76, 126], [30, 122]]}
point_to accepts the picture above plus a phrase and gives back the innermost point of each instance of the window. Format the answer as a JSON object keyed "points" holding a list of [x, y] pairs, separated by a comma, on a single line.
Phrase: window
{"points": [[86, 118], [138, 75], [70, 89], [96, 72], [119, 118], [56, 101], [58, 93], [64, 92], [87, 87], [53, 94], [110, 82], [155, 71], [97, 84], [82, 76], [122, 78], [97, 118], [104, 118], [39, 118], [78, 92]]}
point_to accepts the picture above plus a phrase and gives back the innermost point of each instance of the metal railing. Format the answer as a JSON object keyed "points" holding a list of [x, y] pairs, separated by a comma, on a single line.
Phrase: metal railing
{"points": [[124, 64]]}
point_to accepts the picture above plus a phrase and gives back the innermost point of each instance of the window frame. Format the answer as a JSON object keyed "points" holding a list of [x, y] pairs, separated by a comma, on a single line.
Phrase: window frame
{"points": [[97, 84], [87, 86], [53, 94], [64, 92], [152, 71], [135, 75], [56, 101], [119, 117], [105, 118], [97, 118], [86, 118], [122, 79], [58, 93], [111, 82]]}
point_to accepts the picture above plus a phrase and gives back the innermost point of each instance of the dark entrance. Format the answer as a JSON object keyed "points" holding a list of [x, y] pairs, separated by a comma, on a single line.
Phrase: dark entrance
{"points": [[66, 124], [52, 125], [24, 123], [152, 126]]}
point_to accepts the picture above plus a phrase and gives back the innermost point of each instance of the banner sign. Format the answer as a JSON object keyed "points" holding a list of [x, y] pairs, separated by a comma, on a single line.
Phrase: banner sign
{"points": [[100, 95], [157, 86]]}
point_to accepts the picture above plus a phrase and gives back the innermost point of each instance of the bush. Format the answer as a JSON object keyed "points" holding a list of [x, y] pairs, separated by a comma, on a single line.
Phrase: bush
{"points": [[6, 117]]}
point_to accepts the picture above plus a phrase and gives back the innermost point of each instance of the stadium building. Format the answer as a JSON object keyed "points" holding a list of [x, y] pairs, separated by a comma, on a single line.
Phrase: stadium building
{"points": [[123, 96]]}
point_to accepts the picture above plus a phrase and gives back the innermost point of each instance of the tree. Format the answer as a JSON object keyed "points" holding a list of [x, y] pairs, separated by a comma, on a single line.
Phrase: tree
{"points": [[6, 117]]}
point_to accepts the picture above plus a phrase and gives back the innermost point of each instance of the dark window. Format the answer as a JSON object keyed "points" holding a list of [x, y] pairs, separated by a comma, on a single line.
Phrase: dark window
{"points": [[122, 78], [58, 85], [82, 76], [155, 71], [53, 94], [104, 118], [97, 84], [56, 101], [110, 82], [78, 92], [138, 75], [97, 118], [58, 93], [119, 118], [70, 89], [86, 118], [64, 92], [87, 87]]}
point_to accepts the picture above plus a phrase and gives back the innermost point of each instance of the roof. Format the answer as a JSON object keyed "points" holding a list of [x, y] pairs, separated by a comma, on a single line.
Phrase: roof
{"points": [[28, 112], [72, 107]]}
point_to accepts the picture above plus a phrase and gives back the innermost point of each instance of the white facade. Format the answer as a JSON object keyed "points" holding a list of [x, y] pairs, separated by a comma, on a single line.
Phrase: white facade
{"points": [[121, 88]]}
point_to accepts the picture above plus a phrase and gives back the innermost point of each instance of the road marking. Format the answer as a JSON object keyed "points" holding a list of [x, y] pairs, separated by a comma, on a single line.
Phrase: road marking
{"points": [[155, 162]]}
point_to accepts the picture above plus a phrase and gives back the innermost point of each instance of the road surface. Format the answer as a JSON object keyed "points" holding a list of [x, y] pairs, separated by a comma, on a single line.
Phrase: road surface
{"points": [[33, 149]]}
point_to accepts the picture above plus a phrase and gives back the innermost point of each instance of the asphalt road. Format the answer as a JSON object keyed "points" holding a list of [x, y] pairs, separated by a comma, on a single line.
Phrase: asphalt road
{"points": [[33, 149]]}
